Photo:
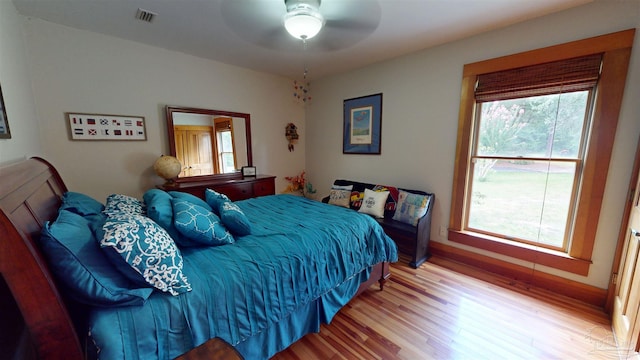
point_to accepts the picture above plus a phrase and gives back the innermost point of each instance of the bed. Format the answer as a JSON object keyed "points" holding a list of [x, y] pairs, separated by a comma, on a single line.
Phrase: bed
{"points": [[260, 294]]}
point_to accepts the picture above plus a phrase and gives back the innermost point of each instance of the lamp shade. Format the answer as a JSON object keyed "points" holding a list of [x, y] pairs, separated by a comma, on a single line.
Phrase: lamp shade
{"points": [[303, 23]]}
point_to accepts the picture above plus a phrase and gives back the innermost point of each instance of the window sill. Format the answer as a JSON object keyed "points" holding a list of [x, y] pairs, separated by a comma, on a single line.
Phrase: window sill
{"points": [[551, 258]]}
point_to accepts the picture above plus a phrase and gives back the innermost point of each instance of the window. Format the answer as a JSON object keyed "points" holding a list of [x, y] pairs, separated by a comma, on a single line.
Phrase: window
{"points": [[526, 167], [535, 136], [225, 148]]}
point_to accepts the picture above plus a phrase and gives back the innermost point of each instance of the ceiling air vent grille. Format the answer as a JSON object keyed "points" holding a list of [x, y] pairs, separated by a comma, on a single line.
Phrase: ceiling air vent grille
{"points": [[145, 15]]}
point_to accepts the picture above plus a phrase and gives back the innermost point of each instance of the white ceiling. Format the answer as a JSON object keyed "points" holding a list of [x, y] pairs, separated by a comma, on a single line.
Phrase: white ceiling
{"points": [[249, 33]]}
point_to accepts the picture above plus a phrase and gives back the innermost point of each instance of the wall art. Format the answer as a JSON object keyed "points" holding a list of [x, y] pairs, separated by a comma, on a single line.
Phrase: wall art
{"points": [[106, 127], [362, 125]]}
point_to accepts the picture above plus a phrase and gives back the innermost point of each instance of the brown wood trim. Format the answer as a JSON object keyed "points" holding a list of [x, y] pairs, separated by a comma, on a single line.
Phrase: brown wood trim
{"points": [[598, 44], [462, 152], [531, 277], [537, 255]]}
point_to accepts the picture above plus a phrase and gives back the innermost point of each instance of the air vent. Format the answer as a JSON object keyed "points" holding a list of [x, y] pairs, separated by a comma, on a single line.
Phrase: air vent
{"points": [[145, 15]]}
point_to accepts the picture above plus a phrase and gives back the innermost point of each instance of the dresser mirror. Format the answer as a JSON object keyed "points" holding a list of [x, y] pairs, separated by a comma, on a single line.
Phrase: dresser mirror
{"points": [[209, 143]]}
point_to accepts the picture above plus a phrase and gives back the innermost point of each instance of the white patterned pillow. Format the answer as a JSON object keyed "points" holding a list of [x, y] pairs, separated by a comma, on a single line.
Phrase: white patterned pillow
{"points": [[373, 202], [340, 197], [142, 245], [119, 204], [411, 207]]}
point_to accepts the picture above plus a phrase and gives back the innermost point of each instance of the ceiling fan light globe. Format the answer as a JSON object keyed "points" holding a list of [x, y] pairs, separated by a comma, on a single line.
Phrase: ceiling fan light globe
{"points": [[303, 25]]}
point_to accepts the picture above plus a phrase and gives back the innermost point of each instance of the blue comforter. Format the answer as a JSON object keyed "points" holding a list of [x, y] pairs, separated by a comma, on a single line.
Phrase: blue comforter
{"points": [[301, 263]]}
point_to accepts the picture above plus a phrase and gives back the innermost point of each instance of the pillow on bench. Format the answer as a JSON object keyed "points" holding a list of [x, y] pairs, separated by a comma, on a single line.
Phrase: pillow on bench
{"points": [[411, 207]]}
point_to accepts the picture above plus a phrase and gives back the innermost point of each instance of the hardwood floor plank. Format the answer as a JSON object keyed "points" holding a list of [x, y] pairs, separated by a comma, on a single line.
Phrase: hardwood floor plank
{"points": [[435, 313]]}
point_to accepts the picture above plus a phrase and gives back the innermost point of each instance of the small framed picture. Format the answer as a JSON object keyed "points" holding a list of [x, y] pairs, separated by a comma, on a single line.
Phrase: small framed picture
{"points": [[248, 171]]}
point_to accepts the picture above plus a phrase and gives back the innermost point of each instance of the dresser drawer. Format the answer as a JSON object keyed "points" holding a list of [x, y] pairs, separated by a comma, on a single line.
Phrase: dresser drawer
{"points": [[237, 191], [264, 187]]}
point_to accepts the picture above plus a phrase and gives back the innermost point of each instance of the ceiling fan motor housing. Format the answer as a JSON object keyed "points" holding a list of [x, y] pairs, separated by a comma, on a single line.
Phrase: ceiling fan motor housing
{"points": [[303, 19], [302, 5]]}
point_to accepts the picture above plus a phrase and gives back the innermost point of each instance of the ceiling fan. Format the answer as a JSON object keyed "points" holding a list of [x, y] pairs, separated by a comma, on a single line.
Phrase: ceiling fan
{"points": [[340, 24]]}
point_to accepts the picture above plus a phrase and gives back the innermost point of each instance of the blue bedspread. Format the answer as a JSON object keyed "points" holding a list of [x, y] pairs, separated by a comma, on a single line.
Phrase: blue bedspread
{"points": [[303, 260]]}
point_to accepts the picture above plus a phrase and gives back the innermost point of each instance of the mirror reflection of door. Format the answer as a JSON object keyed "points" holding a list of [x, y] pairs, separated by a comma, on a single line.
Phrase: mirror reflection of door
{"points": [[194, 147], [209, 144]]}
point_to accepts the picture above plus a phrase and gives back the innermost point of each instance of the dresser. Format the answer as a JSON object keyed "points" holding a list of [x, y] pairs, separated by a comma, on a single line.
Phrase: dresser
{"points": [[235, 189]]}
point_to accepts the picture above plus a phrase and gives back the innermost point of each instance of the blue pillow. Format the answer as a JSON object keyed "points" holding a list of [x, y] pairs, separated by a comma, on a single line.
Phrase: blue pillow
{"points": [[232, 217], [215, 199], [142, 250], [81, 204], [160, 210], [190, 198], [81, 267], [118, 204], [199, 225]]}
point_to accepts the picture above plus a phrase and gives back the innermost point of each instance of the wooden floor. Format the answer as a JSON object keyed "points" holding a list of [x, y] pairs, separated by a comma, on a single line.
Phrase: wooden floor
{"points": [[436, 313]]}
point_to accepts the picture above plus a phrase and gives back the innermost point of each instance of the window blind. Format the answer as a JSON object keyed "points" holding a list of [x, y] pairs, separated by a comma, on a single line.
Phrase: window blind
{"points": [[561, 76], [222, 125]]}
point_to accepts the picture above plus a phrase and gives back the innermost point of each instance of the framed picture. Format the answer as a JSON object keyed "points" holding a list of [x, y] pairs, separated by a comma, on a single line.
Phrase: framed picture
{"points": [[106, 127], [5, 133], [248, 171], [362, 125]]}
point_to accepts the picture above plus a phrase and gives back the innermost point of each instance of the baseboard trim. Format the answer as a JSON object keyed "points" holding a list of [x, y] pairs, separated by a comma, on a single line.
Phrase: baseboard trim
{"points": [[583, 292]]}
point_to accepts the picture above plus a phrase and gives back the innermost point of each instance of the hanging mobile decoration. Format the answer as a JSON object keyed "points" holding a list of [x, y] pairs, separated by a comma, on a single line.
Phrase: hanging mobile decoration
{"points": [[291, 133], [301, 92]]}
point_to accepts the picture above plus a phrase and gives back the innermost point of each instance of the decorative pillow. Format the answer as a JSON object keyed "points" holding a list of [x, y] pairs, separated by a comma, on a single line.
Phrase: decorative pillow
{"points": [[76, 260], [190, 198], [231, 215], [215, 199], [373, 202], [234, 219], [160, 210], [119, 204], [342, 187], [356, 199], [81, 204], [392, 199], [340, 197], [199, 225], [144, 251], [411, 207]]}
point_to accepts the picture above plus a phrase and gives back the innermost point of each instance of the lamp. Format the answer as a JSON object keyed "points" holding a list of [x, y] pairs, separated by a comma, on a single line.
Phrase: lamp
{"points": [[303, 20]]}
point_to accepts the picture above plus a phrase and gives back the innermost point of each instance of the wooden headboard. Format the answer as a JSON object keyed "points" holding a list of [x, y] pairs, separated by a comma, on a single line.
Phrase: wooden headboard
{"points": [[30, 194]]}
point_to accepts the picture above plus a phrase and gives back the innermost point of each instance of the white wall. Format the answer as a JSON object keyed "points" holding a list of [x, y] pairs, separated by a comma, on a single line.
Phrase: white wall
{"points": [[16, 89], [79, 71], [421, 96]]}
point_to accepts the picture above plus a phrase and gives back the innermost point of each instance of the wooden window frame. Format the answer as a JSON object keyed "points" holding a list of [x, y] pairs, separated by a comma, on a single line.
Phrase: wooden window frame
{"points": [[616, 50]]}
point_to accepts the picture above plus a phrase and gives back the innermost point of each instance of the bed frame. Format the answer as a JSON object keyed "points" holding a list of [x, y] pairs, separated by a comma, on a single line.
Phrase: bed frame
{"points": [[30, 194]]}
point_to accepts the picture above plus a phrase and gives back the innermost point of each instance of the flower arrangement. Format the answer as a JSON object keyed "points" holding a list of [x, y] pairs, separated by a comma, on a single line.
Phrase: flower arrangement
{"points": [[299, 184]]}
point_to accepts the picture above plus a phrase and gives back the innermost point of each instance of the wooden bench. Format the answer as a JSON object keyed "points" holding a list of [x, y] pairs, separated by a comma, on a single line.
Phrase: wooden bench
{"points": [[411, 240]]}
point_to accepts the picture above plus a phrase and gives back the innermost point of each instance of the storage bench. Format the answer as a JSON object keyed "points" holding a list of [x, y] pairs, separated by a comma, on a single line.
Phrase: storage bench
{"points": [[411, 240]]}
